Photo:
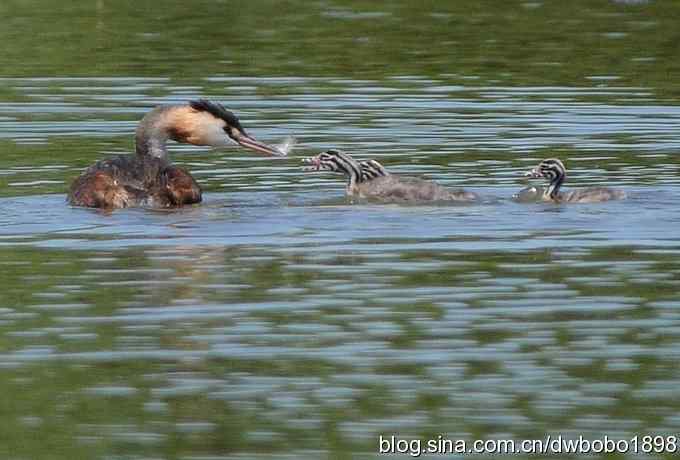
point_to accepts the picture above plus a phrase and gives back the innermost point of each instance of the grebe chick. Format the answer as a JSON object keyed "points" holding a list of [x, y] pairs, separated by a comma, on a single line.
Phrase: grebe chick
{"points": [[369, 179], [148, 178], [553, 170]]}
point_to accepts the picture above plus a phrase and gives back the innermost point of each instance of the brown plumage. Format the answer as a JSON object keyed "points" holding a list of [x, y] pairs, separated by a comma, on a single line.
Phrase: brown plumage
{"points": [[134, 180]]}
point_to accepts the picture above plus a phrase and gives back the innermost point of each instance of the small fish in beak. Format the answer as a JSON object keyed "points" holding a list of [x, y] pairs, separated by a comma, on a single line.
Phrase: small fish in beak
{"points": [[287, 145], [251, 143]]}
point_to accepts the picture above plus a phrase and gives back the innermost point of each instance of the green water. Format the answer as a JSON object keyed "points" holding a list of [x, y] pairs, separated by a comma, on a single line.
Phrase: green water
{"points": [[279, 319]]}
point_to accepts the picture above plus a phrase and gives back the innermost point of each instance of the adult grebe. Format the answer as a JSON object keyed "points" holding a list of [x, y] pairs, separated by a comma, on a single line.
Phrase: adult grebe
{"points": [[148, 178], [553, 170], [369, 179]]}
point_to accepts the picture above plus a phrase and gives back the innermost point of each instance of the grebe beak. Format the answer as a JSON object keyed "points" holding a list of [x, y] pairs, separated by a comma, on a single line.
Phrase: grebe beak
{"points": [[253, 144], [313, 162], [533, 174]]}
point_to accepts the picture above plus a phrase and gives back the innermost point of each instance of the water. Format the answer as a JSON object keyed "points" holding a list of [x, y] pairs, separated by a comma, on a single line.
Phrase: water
{"points": [[281, 320]]}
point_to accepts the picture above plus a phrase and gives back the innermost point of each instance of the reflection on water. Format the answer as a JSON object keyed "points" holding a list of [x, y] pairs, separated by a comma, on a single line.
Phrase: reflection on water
{"points": [[277, 321], [281, 320]]}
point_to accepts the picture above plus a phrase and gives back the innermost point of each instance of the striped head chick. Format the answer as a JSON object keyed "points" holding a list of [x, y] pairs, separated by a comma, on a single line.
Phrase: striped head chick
{"points": [[340, 162], [554, 171]]}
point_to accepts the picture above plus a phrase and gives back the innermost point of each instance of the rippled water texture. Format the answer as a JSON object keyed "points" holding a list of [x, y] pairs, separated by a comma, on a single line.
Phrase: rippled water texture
{"points": [[281, 320]]}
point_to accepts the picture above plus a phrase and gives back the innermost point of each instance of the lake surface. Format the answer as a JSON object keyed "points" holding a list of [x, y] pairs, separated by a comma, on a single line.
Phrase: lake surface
{"points": [[279, 319]]}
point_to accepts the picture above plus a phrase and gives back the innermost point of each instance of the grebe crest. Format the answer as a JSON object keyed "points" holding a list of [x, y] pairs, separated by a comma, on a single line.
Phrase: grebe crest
{"points": [[207, 123]]}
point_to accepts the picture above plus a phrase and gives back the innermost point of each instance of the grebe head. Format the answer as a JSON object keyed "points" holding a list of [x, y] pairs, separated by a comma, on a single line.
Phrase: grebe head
{"points": [[553, 170], [333, 161], [208, 123]]}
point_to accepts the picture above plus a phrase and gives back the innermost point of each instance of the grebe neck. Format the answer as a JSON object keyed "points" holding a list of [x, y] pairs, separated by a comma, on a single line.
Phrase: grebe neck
{"points": [[553, 190], [350, 167], [154, 130]]}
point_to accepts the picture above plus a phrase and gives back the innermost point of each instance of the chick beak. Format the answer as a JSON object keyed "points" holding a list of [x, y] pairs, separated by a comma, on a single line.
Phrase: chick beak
{"points": [[533, 174], [313, 162], [253, 144]]}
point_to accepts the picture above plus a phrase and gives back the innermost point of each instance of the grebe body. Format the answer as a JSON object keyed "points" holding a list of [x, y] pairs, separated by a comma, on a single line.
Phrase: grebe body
{"points": [[134, 180], [148, 178], [369, 179]]}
